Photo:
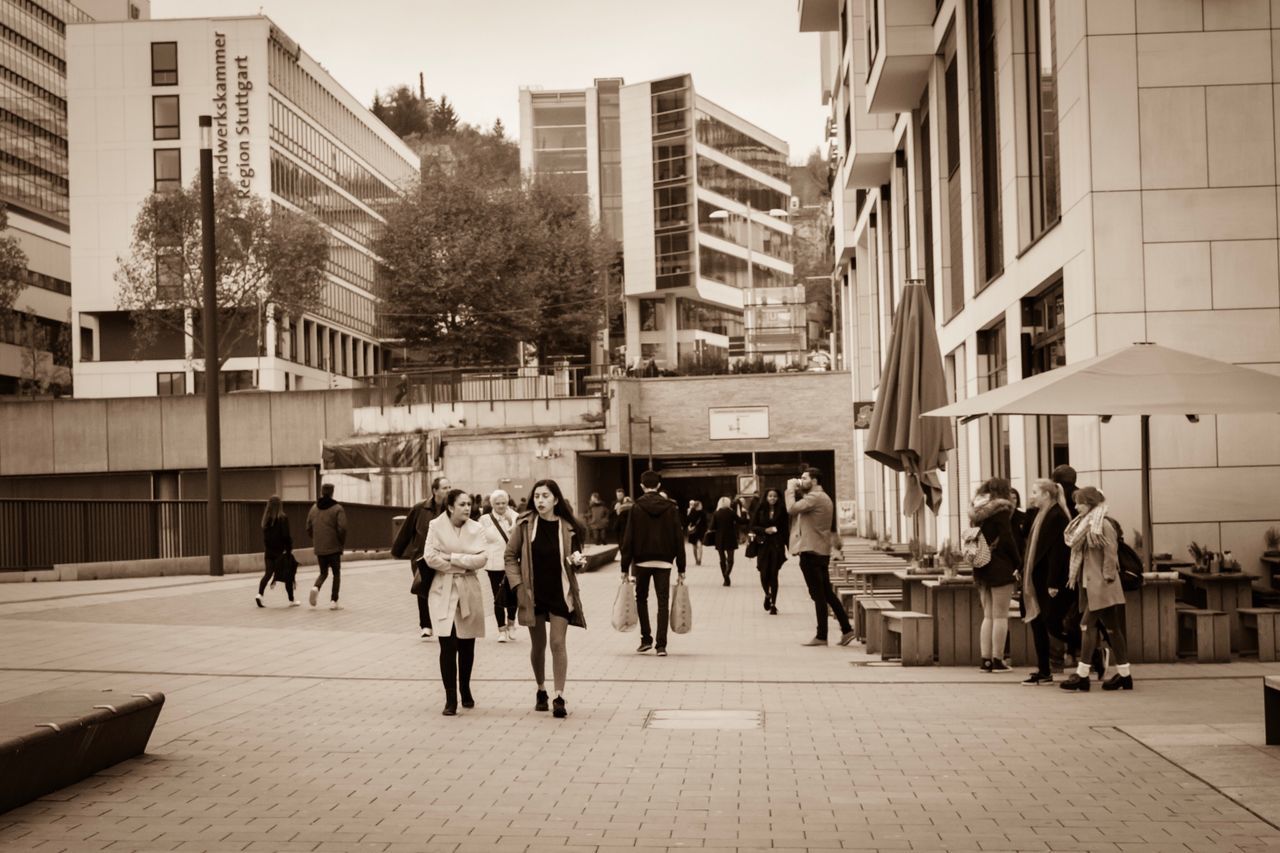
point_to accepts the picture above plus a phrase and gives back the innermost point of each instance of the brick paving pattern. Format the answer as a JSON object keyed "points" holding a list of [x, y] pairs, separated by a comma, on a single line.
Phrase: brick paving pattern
{"points": [[310, 730]]}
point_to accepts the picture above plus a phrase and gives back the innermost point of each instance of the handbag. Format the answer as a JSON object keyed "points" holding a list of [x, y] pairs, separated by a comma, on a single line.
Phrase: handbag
{"points": [[285, 568], [681, 609], [625, 617], [974, 547], [709, 538], [422, 577], [753, 546]]}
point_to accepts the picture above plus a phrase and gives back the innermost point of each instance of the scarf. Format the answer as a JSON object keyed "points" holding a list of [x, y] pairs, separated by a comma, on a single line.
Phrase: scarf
{"points": [[1084, 531], [1029, 602]]}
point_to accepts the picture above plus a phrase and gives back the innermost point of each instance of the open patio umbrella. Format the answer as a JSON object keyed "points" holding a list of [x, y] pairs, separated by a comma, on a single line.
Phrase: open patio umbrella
{"points": [[1144, 379], [912, 384]]}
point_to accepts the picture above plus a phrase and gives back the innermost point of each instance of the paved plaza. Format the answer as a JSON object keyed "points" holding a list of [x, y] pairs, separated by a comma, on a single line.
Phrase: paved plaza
{"points": [[309, 730]]}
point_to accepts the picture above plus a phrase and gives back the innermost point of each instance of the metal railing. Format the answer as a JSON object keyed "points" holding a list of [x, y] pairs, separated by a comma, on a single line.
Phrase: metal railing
{"points": [[446, 386], [38, 534]]}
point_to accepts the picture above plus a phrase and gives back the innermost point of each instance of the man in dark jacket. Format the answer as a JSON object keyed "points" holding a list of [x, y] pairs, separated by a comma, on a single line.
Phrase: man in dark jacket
{"points": [[427, 511], [652, 542], [327, 527]]}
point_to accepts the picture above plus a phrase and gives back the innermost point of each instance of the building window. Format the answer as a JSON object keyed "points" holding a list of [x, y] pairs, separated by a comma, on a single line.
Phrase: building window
{"points": [[993, 372], [651, 311], [164, 63], [228, 381], [164, 117], [952, 235], [171, 384], [926, 202], [168, 169], [1044, 348], [169, 275], [1045, 207], [86, 344], [985, 136]]}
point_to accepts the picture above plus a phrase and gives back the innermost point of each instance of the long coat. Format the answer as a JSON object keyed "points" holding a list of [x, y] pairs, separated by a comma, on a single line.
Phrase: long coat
{"points": [[724, 524], [1100, 574], [772, 548], [457, 554], [519, 563], [1048, 567]]}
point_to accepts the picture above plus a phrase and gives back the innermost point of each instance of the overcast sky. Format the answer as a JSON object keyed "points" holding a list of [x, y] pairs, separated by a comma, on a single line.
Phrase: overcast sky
{"points": [[745, 55]]}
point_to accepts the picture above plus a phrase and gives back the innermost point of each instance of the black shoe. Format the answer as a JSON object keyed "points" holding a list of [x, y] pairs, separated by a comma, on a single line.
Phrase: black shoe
{"points": [[997, 665], [1118, 682], [662, 653], [986, 665], [767, 605], [468, 701], [560, 711], [773, 611], [540, 703], [1035, 679], [645, 645], [450, 708], [1075, 682]]}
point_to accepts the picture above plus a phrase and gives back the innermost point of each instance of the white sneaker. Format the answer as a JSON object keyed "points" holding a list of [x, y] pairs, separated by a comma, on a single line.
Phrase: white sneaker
{"points": [[426, 634], [295, 603], [313, 595], [333, 605], [258, 599], [502, 634]]}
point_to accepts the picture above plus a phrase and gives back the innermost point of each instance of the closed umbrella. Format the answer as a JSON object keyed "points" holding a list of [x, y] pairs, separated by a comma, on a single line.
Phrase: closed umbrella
{"points": [[912, 384], [1143, 379]]}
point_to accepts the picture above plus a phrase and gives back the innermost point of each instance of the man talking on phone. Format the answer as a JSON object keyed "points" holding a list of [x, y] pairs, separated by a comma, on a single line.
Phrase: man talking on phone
{"points": [[812, 529]]}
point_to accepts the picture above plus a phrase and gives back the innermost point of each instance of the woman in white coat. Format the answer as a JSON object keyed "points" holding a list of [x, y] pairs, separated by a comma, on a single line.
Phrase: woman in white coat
{"points": [[456, 548]]}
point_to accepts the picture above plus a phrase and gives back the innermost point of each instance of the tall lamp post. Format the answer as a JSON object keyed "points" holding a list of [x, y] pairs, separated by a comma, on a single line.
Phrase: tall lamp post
{"points": [[212, 421]]}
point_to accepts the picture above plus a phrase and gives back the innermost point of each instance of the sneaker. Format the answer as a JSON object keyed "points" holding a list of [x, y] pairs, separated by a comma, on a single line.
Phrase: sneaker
{"points": [[502, 635], [662, 653], [816, 641], [426, 634], [766, 603], [847, 637], [258, 599], [1035, 679], [998, 665], [986, 665], [314, 595], [333, 605], [540, 701], [1118, 682], [295, 603], [644, 647], [559, 711], [1075, 682]]}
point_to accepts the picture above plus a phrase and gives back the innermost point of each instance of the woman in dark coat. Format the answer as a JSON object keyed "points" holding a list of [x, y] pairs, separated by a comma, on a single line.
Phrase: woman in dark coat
{"points": [[1045, 567], [276, 542], [724, 533], [992, 513], [771, 527], [695, 525]]}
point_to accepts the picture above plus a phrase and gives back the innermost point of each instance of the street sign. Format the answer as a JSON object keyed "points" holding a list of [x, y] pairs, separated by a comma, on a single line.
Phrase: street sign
{"points": [[741, 422]]}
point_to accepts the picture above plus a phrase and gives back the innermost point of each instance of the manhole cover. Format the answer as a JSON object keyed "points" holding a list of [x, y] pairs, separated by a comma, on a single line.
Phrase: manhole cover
{"points": [[715, 719]]}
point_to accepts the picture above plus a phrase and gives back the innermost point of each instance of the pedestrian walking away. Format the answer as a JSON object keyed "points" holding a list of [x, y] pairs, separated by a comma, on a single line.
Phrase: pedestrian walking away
{"points": [[812, 534], [457, 549], [277, 551], [695, 525], [597, 520], [422, 515], [497, 524], [542, 559], [327, 527], [992, 513], [1095, 572], [723, 534], [652, 544], [771, 527], [1045, 567]]}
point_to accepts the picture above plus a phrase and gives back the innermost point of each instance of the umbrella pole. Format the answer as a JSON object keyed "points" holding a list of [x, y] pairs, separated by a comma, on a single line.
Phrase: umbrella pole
{"points": [[1148, 546]]}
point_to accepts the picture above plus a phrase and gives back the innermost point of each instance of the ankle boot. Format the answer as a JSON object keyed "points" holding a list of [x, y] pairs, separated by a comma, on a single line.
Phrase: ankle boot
{"points": [[450, 701], [467, 700]]}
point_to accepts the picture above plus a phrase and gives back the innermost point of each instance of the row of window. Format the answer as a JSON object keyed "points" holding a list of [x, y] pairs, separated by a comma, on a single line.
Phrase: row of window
{"points": [[164, 63], [30, 47], [289, 78], [733, 271], [174, 383], [29, 278], [19, 89], [737, 186], [741, 146], [309, 193], [732, 226], [302, 139], [54, 14], [24, 185], [349, 308], [29, 331], [33, 28]]}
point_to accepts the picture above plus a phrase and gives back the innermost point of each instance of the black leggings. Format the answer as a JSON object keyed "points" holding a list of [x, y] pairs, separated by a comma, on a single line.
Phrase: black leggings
{"points": [[504, 603], [268, 575], [456, 659], [726, 562], [769, 566]]}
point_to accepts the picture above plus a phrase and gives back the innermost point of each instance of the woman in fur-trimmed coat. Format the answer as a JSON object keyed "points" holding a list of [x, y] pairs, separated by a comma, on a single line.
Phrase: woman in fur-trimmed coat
{"points": [[992, 513]]}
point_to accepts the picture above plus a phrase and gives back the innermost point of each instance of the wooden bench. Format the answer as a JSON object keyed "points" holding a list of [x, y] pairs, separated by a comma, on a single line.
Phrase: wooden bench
{"points": [[54, 739], [1205, 634], [1271, 708], [868, 620], [907, 635], [1261, 629]]}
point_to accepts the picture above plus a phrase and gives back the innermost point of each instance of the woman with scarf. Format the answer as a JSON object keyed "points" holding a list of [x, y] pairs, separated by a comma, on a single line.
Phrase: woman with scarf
{"points": [[1095, 571], [992, 513], [1044, 572], [456, 548]]}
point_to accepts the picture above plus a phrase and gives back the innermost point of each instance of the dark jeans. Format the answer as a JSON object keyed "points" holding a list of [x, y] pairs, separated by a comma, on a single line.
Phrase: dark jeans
{"points": [[1111, 619], [817, 577], [266, 578], [457, 657], [662, 591], [504, 603], [327, 562], [424, 612], [726, 562]]}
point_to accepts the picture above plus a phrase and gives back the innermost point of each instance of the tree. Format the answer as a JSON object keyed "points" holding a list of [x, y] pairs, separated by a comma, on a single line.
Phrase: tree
{"points": [[444, 120], [404, 112], [499, 130], [267, 260], [13, 263]]}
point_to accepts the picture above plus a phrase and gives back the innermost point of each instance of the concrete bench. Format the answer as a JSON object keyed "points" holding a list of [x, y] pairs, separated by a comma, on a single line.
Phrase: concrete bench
{"points": [[1206, 634], [1261, 629], [1271, 708], [867, 625], [907, 635], [54, 739]]}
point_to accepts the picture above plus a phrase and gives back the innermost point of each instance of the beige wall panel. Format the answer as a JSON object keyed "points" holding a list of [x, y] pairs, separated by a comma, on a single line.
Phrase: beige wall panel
{"points": [[1178, 276], [1070, 21], [1248, 439], [1167, 16], [1173, 539], [1178, 443], [1237, 15], [1073, 80], [1245, 213], [26, 438], [1194, 495], [1204, 59], [1077, 278], [1246, 274], [246, 431], [1244, 540], [1175, 152], [1113, 112], [297, 421], [1120, 442], [80, 437], [1124, 497], [1117, 246], [1240, 337], [182, 433], [1073, 128], [1082, 337], [1110, 17], [134, 434], [1116, 331], [1241, 136]]}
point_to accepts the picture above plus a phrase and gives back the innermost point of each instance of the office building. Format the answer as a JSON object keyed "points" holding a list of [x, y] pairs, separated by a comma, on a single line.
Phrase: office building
{"points": [[1066, 179], [284, 130]]}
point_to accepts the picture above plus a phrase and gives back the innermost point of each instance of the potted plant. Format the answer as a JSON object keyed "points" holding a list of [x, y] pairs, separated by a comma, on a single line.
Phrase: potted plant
{"points": [[1199, 556], [1271, 538], [917, 552], [948, 559]]}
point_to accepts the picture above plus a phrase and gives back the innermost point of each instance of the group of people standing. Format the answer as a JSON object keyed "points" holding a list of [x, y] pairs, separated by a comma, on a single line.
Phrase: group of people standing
{"points": [[1063, 553]]}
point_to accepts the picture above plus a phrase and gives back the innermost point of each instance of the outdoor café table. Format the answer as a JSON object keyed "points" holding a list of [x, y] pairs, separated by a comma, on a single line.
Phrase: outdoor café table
{"points": [[953, 604], [867, 578], [914, 596], [1272, 566], [1225, 591], [1151, 621]]}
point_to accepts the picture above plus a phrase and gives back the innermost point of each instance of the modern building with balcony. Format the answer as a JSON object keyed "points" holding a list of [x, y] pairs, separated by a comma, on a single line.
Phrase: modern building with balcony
{"points": [[1066, 179], [284, 130]]}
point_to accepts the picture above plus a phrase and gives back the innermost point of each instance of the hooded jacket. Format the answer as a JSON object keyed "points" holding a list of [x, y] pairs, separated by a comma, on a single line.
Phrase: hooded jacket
{"points": [[327, 526], [653, 532], [995, 519]]}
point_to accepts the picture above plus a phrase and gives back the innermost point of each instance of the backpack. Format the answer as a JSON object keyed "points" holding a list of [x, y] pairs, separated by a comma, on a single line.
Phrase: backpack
{"points": [[1130, 562], [974, 547]]}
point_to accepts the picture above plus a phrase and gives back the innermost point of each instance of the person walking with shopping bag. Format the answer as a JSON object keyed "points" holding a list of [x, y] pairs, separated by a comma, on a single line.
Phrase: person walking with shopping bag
{"points": [[652, 544], [277, 551], [497, 524], [457, 549]]}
